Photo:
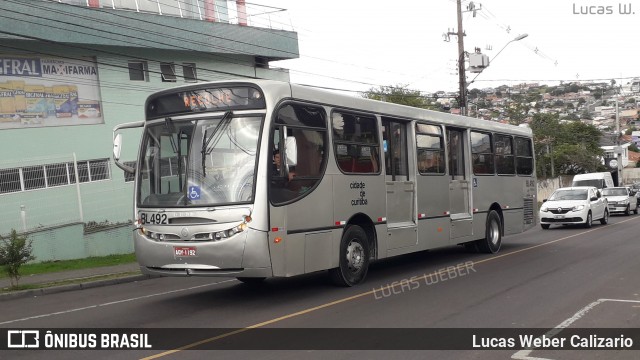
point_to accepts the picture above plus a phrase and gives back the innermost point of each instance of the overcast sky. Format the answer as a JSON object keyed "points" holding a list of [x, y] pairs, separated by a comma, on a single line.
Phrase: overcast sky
{"points": [[357, 44]]}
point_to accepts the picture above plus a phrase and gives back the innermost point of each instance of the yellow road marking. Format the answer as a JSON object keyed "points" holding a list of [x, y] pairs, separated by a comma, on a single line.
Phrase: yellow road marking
{"points": [[340, 301]]}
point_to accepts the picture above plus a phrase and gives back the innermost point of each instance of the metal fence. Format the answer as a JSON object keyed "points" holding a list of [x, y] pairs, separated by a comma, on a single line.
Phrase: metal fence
{"points": [[226, 11]]}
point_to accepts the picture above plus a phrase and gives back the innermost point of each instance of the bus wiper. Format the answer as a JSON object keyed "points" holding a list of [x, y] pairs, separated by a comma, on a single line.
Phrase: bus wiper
{"points": [[224, 122]]}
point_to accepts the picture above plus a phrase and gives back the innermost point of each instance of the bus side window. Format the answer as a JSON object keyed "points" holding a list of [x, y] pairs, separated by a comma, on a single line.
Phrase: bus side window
{"points": [[355, 139], [482, 153], [307, 124], [524, 156], [505, 160]]}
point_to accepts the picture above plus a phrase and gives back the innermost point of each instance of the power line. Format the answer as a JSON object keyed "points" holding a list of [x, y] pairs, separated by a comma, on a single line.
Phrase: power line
{"points": [[118, 14], [201, 68]]}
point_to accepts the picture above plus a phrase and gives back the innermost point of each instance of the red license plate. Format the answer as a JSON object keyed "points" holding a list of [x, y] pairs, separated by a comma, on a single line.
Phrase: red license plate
{"points": [[184, 251]]}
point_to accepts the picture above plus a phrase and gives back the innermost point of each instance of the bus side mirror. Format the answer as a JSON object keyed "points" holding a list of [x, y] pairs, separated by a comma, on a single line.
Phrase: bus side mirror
{"points": [[117, 146], [117, 149], [292, 151]]}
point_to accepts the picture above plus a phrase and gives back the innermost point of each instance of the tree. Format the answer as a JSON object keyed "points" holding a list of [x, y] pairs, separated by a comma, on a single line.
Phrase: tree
{"points": [[400, 94], [14, 252], [517, 113], [572, 147], [573, 88]]}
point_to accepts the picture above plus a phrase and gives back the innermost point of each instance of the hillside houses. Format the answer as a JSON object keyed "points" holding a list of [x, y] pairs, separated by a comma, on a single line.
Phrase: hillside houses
{"points": [[592, 103]]}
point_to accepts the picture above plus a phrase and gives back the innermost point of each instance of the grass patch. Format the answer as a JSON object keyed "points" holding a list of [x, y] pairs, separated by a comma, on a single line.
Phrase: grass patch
{"points": [[63, 265], [66, 282]]}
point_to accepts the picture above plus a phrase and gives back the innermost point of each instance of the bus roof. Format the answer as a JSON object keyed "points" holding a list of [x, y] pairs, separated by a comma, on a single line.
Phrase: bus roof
{"points": [[326, 97]]}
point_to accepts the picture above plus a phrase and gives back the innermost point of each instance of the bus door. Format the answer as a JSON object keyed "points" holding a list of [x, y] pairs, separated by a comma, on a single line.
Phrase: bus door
{"points": [[400, 185], [459, 184]]}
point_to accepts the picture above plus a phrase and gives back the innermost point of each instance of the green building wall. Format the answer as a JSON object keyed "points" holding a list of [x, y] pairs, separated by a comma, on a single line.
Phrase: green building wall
{"points": [[68, 222]]}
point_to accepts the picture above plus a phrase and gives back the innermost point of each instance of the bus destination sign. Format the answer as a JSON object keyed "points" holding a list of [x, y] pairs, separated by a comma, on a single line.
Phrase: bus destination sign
{"points": [[205, 99]]}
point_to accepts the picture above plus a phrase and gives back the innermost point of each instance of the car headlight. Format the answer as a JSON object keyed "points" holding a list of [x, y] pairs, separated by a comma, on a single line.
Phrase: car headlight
{"points": [[625, 202], [544, 209], [578, 208]]}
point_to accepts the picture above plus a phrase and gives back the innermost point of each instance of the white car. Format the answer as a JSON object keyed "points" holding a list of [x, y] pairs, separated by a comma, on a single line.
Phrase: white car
{"points": [[621, 200], [574, 205]]}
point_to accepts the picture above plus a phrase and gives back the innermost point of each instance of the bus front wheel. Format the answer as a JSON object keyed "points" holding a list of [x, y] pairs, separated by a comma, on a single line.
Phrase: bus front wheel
{"points": [[493, 234], [354, 258]]}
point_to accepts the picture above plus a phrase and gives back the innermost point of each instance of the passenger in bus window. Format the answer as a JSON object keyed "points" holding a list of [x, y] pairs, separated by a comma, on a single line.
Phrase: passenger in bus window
{"points": [[277, 163]]}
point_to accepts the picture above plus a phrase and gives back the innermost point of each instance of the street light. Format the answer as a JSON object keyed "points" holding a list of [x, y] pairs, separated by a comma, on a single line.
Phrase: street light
{"points": [[466, 85]]}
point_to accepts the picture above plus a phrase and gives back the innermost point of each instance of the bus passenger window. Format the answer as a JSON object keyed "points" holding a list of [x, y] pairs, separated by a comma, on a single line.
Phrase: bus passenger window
{"points": [[481, 153], [505, 161], [430, 154], [524, 156], [355, 139]]}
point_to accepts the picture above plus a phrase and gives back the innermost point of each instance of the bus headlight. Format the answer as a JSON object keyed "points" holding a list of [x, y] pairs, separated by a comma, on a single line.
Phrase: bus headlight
{"points": [[153, 235], [225, 234]]}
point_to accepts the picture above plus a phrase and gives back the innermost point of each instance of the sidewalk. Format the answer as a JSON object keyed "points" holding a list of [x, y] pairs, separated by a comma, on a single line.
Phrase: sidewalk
{"points": [[83, 279]]}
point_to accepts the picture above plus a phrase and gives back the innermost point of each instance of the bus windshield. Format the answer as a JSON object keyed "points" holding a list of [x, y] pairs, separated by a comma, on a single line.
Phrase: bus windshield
{"points": [[204, 162]]}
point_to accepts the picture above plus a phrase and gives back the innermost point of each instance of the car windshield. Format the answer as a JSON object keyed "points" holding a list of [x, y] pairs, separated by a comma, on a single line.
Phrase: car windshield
{"points": [[574, 194], [204, 162], [591, 182], [614, 192]]}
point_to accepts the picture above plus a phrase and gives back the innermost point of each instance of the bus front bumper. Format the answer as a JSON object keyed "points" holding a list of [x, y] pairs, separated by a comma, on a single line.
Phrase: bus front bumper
{"points": [[243, 255]]}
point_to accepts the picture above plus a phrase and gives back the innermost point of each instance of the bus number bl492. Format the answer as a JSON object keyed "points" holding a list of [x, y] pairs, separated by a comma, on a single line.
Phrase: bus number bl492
{"points": [[156, 219]]}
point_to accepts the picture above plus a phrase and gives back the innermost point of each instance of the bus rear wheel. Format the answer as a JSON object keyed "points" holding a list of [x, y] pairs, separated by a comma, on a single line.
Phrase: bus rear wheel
{"points": [[493, 234], [354, 258]]}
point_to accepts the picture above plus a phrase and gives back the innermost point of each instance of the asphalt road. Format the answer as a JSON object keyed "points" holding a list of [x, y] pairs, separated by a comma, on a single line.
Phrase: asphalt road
{"points": [[540, 281]]}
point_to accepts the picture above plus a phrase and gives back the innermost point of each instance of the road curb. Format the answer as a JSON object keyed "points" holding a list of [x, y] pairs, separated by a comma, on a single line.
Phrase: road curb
{"points": [[72, 287]]}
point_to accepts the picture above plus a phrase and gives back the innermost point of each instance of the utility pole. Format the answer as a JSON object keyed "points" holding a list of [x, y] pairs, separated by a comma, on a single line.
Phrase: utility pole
{"points": [[462, 76], [618, 148]]}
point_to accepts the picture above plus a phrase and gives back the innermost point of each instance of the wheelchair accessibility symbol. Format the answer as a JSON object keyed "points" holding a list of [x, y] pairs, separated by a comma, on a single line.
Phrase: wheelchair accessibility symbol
{"points": [[194, 193]]}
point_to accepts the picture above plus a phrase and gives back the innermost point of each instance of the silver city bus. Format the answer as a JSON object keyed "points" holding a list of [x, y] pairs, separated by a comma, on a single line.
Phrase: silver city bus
{"points": [[255, 179]]}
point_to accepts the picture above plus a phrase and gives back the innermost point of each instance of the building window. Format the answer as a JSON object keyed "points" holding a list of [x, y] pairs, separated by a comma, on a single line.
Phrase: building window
{"points": [[10, 181], [189, 72], [52, 175], [138, 71], [262, 62], [129, 177], [99, 169], [56, 174], [33, 177], [168, 72], [83, 172]]}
